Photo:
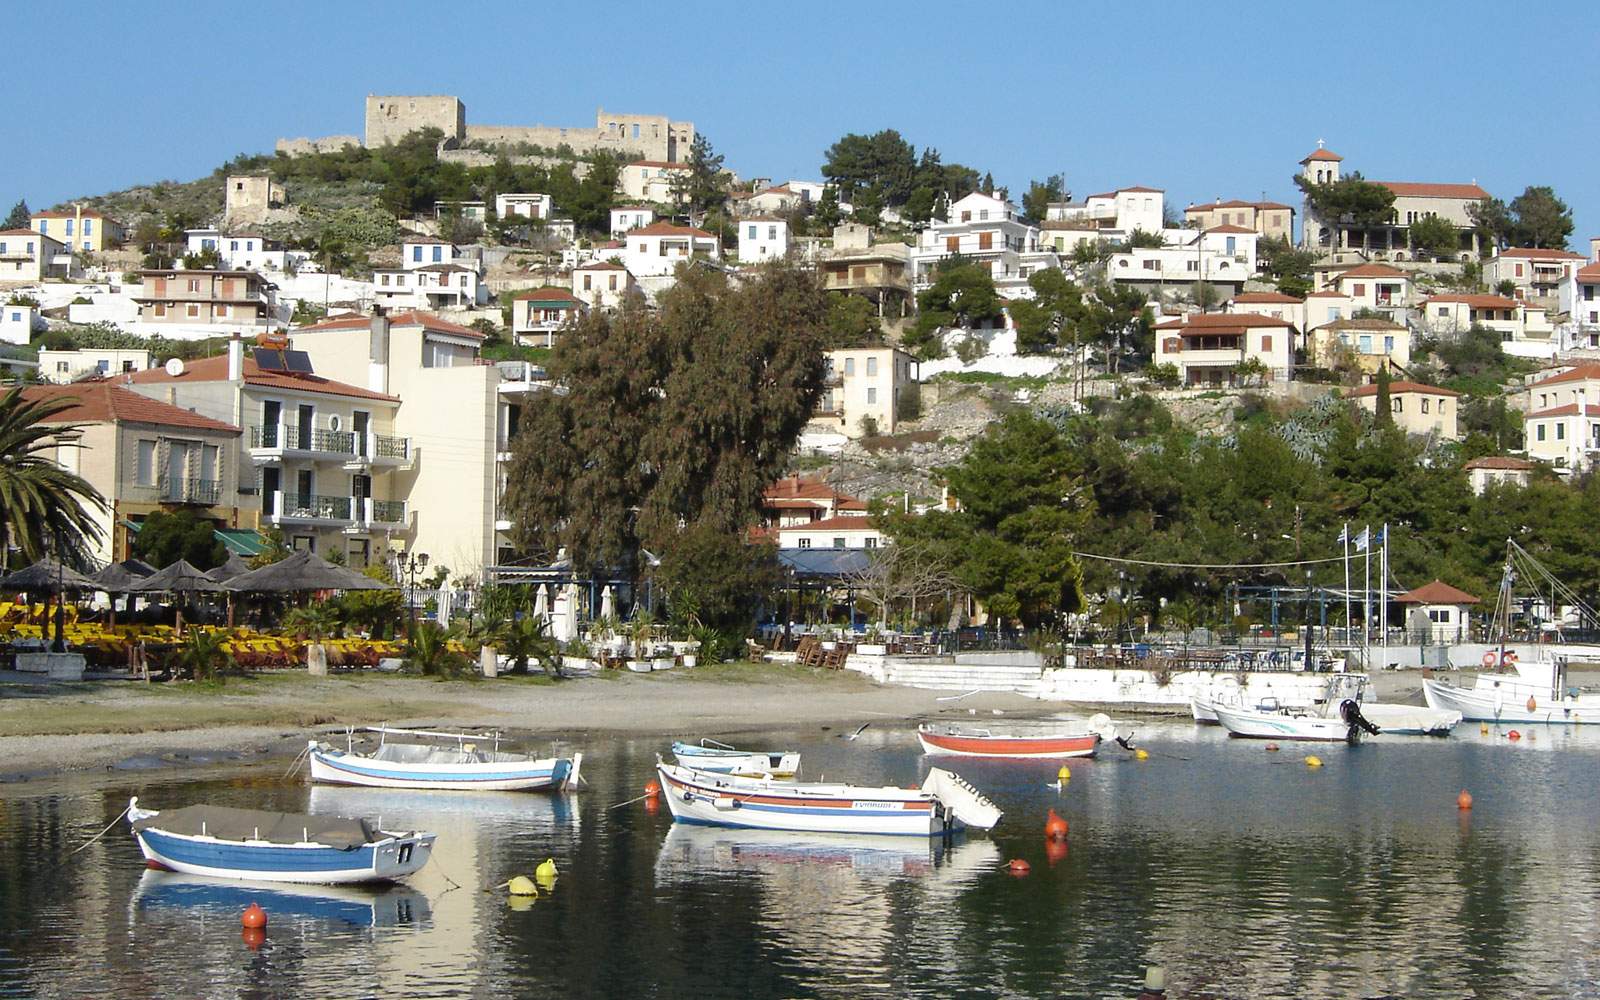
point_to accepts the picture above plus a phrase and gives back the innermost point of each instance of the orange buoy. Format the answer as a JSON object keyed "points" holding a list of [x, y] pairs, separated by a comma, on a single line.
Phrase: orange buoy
{"points": [[1272, 747], [1017, 866], [1532, 704], [254, 937], [652, 788], [1055, 827], [1464, 800], [1513, 735], [253, 917]]}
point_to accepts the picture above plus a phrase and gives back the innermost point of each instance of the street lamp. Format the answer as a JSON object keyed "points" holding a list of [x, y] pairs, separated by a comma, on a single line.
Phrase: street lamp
{"points": [[408, 565]]}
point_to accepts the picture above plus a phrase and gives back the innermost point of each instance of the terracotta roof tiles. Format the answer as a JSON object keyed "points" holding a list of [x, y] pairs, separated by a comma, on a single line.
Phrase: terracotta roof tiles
{"points": [[105, 401]]}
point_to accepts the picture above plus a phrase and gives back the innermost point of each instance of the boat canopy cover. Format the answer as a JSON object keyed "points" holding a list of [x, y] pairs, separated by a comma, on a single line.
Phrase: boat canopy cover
{"points": [[226, 823]]}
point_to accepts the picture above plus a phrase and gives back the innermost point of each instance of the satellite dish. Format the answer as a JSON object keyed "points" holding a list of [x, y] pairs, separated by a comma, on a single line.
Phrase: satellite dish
{"points": [[174, 367]]}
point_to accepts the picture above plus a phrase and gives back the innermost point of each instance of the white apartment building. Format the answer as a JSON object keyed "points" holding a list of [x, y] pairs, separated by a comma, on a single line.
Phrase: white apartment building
{"points": [[528, 206], [658, 249], [1538, 274], [1115, 213], [433, 286], [628, 217], [1525, 328], [988, 232], [763, 238], [1224, 257], [1209, 348]]}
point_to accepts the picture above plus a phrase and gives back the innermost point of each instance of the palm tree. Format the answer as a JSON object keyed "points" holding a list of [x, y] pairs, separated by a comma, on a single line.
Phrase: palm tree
{"points": [[44, 509], [203, 657], [528, 639]]}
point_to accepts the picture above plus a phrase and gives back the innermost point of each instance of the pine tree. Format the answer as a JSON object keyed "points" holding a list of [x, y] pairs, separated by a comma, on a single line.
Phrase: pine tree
{"points": [[1384, 413], [20, 217]]}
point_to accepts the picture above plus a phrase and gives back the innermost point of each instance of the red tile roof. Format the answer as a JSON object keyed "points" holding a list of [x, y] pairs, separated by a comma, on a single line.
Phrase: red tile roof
{"points": [[1569, 410], [550, 294], [1589, 275], [1437, 592], [215, 369], [1539, 253], [1230, 229], [414, 317], [804, 487], [1200, 324], [25, 232], [1412, 189], [1501, 462], [1579, 374], [60, 213], [1327, 293], [1475, 301], [668, 229], [1373, 271], [104, 401], [1371, 389], [600, 265], [1323, 154], [1262, 298]]}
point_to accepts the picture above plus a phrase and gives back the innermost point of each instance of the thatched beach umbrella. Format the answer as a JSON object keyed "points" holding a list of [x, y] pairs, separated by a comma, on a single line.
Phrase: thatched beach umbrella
{"points": [[232, 568], [181, 577], [49, 576], [117, 578], [302, 572]]}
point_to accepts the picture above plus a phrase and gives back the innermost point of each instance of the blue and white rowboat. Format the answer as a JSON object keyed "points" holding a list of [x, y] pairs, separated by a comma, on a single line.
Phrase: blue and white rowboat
{"points": [[274, 847], [710, 755], [463, 765], [944, 804]]}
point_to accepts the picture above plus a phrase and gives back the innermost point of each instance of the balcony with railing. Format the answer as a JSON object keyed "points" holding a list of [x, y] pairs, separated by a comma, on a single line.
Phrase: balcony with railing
{"points": [[351, 513], [279, 438], [192, 490]]}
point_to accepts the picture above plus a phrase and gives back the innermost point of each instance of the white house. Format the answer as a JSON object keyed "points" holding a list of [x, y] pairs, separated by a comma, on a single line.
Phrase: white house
{"points": [[1274, 304], [529, 206], [28, 257], [17, 323], [1377, 287], [421, 251], [627, 217], [770, 201], [657, 249], [990, 233], [537, 316], [1117, 213], [1580, 300], [1537, 273], [1223, 256], [1210, 348], [432, 286], [1524, 327], [66, 366], [602, 284], [1498, 470], [242, 251], [843, 531], [1437, 612], [763, 237]]}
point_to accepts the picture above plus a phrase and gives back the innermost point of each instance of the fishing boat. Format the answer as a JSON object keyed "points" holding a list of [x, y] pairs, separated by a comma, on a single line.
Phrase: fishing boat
{"points": [[261, 846], [1536, 690], [1337, 719], [945, 804], [709, 755], [455, 761], [1393, 720], [944, 739]]}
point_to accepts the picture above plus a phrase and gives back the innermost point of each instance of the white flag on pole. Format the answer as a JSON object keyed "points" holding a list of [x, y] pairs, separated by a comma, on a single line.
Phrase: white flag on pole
{"points": [[1362, 539], [1344, 534]]}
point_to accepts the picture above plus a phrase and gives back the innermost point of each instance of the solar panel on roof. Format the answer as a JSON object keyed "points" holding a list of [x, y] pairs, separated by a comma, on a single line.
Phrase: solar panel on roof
{"points": [[269, 360], [297, 361]]}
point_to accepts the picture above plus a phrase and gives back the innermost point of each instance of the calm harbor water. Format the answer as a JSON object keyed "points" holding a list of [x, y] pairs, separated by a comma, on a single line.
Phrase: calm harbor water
{"points": [[1244, 872]]}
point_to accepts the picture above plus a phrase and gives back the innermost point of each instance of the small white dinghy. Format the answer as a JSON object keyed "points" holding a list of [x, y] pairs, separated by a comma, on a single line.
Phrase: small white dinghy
{"points": [[709, 755], [455, 761], [1337, 719]]}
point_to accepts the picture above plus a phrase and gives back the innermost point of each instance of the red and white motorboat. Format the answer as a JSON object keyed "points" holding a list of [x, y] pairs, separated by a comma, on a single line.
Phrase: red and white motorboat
{"points": [[962, 741]]}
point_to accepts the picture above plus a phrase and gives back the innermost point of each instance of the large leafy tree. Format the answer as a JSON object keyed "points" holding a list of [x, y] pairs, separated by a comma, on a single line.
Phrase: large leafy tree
{"points": [[1350, 199], [1023, 510], [44, 509], [1054, 316], [668, 421], [1543, 220], [880, 167], [1036, 202], [1436, 237], [167, 536], [962, 295], [701, 188]]}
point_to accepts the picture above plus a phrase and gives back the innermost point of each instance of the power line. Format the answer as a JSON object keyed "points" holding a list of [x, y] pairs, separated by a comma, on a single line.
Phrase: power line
{"points": [[1178, 565]]}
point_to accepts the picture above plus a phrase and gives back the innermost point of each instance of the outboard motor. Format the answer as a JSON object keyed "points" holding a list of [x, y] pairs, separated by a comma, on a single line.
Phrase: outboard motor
{"points": [[1350, 712]]}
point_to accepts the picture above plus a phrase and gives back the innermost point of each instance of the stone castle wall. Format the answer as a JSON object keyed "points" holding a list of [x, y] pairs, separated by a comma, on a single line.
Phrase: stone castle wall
{"points": [[326, 144], [391, 117]]}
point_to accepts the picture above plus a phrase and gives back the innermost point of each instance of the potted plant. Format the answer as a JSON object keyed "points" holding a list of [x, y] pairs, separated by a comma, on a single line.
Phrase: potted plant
{"points": [[639, 632]]}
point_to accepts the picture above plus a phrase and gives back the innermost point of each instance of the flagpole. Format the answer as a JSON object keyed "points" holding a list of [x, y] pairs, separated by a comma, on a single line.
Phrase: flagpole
{"points": [[1366, 601], [1383, 596], [1345, 538]]}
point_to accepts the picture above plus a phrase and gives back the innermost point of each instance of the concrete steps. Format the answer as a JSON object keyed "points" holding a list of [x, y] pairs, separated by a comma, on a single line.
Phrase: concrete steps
{"points": [[960, 677]]}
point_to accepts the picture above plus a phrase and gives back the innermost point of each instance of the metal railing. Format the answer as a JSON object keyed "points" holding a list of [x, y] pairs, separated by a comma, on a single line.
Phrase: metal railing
{"points": [[290, 436], [315, 506], [384, 446], [389, 511], [190, 490]]}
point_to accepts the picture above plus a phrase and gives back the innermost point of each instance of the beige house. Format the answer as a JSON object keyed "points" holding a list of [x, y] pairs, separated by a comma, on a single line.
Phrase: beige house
{"points": [[143, 456], [1369, 343], [28, 257], [1416, 408], [1375, 287], [1498, 470], [1538, 274], [81, 229], [539, 314], [1561, 422], [602, 284], [65, 366], [241, 301], [322, 458], [1273, 220], [458, 417], [876, 271], [650, 180], [1210, 348], [861, 393], [1437, 612]]}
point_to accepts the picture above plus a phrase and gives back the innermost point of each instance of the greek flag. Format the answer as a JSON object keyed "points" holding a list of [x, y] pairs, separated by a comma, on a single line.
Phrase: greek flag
{"points": [[1382, 534], [1362, 540], [1344, 535]]}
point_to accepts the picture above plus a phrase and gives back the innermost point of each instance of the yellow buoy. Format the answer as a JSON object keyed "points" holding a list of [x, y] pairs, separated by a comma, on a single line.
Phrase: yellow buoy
{"points": [[1313, 761], [1483, 729], [1065, 774], [1141, 754], [522, 885], [546, 874]]}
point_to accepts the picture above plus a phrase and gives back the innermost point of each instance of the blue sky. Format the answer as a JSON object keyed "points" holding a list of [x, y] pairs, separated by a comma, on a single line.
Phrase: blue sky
{"points": [[1203, 100]]}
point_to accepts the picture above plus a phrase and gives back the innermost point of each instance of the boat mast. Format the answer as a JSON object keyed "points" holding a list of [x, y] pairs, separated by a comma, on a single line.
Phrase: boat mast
{"points": [[1502, 611]]}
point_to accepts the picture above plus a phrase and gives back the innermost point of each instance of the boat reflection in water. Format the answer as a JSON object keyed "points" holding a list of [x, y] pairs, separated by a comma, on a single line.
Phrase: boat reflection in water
{"points": [[548, 814], [691, 852], [396, 905]]}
